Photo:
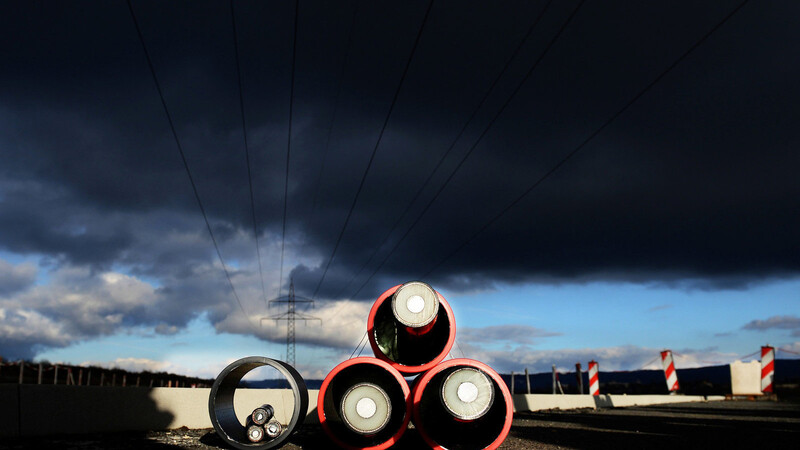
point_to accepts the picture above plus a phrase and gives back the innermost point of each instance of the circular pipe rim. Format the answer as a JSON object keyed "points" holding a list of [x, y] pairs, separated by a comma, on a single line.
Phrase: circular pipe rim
{"points": [[228, 385], [402, 368], [421, 382], [352, 362]]}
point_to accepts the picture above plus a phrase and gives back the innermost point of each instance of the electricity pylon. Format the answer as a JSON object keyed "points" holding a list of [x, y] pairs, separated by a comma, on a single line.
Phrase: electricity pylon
{"points": [[290, 316]]}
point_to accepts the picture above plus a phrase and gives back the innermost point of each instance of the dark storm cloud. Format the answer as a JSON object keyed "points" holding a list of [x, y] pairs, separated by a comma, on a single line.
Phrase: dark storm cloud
{"points": [[695, 185], [36, 218], [15, 278]]}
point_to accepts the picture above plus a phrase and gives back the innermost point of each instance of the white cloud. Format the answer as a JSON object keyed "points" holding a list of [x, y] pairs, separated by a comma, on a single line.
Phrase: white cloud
{"points": [[88, 303], [26, 325], [341, 325], [625, 357], [75, 305]]}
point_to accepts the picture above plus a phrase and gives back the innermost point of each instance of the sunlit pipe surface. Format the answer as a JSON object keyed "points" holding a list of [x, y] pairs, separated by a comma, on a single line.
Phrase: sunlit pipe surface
{"points": [[223, 415], [408, 350], [441, 429], [355, 372]]}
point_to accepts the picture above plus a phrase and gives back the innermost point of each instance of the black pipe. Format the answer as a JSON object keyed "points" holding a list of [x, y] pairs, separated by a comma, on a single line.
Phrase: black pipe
{"points": [[223, 415]]}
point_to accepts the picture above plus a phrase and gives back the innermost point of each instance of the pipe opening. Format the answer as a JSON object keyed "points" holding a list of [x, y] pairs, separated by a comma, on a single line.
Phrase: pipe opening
{"points": [[364, 405], [406, 345], [223, 414], [461, 407]]}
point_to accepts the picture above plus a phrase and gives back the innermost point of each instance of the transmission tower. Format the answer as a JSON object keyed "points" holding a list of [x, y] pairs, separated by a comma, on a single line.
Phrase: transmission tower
{"points": [[290, 316]]}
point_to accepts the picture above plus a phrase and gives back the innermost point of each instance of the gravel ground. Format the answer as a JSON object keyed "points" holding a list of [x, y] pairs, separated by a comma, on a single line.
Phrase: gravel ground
{"points": [[730, 424]]}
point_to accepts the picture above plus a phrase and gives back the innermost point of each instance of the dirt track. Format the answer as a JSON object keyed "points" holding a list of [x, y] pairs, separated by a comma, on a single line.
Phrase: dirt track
{"points": [[739, 424]]}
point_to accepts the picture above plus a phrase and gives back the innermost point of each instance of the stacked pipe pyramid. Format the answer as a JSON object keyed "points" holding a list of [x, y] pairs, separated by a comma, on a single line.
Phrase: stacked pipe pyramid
{"points": [[366, 402]]}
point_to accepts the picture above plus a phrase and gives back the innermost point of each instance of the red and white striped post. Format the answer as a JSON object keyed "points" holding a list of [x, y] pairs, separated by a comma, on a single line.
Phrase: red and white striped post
{"points": [[669, 371], [767, 368], [594, 381]]}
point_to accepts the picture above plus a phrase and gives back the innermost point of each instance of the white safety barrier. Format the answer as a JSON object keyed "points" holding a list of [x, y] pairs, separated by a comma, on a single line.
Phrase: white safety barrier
{"points": [[745, 378], [669, 371], [767, 368], [594, 381]]}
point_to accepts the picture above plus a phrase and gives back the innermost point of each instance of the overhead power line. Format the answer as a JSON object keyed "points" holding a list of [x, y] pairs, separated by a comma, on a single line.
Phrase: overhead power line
{"points": [[288, 143], [359, 345], [742, 358], [340, 82], [586, 141], [475, 145], [452, 145], [247, 151], [183, 159], [375, 149], [649, 362]]}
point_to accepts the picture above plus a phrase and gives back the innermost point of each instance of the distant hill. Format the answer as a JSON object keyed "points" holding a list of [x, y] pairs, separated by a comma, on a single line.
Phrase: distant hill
{"points": [[277, 384], [712, 380]]}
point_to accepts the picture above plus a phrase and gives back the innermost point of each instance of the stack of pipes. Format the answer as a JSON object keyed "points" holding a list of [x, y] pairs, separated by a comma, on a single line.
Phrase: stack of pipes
{"points": [[261, 424], [458, 403]]}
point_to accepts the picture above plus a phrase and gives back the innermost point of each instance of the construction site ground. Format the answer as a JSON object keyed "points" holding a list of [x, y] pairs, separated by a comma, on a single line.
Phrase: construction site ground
{"points": [[721, 424]]}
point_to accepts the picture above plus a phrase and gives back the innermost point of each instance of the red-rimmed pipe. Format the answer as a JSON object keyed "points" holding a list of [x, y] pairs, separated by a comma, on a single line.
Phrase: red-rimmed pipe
{"points": [[462, 403], [364, 403], [411, 327]]}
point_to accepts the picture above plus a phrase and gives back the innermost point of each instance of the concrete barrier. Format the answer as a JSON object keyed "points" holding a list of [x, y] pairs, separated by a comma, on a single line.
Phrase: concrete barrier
{"points": [[746, 378], [540, 402], [93, 409]]}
